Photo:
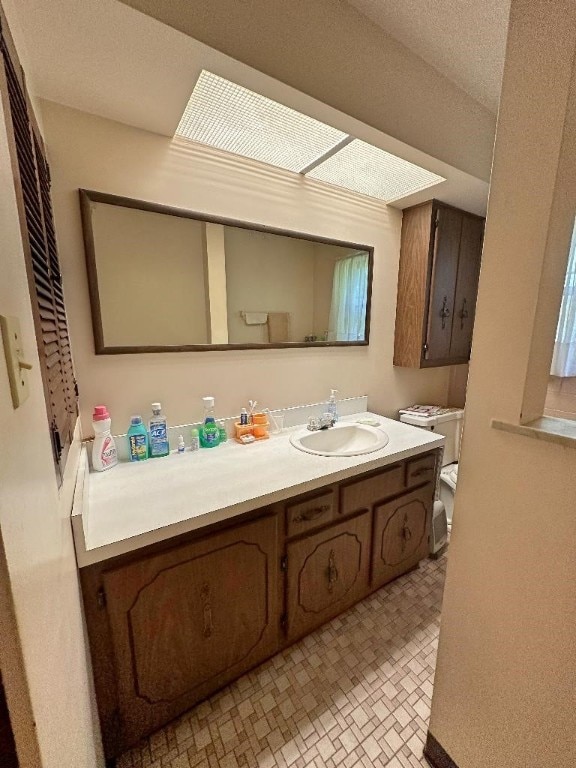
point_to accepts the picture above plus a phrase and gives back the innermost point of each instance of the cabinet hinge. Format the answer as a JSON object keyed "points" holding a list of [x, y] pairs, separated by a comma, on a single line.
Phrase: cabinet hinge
{"points": [[436, 219], [101, 598], [424, 349], [284, 563], [284, 622]]}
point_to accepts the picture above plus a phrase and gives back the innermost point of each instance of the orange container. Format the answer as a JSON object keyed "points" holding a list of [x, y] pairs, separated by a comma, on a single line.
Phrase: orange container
{"points": [[260, 430], [243, 429], [259, 418]]}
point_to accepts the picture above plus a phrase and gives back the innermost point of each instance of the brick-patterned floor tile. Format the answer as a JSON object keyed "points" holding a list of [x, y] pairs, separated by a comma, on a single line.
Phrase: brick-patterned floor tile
{"points": [[354, 694]]}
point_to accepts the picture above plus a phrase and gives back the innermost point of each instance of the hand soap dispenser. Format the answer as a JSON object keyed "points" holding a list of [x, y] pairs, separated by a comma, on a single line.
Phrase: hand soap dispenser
{"points": [[332, 406], [209, 431]]}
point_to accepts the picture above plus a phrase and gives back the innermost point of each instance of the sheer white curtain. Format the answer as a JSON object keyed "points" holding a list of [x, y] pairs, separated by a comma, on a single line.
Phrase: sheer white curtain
{"points": [[349, 293], [564, 359]]}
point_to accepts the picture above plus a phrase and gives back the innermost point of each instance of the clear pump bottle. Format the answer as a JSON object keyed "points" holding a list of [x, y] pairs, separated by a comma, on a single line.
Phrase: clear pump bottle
{"points": [[332, 405]]}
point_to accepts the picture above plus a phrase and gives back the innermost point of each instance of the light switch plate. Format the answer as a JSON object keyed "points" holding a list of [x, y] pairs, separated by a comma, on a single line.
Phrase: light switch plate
{"points": [[15, 361]]}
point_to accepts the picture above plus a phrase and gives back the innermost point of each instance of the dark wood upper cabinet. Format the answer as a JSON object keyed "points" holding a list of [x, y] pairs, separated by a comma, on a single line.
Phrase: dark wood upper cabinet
{"points": [[440, 255]]}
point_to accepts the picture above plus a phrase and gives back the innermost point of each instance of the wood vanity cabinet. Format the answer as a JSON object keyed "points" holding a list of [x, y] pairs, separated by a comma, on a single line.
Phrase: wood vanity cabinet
{"points": [[438, 275], [171, 624]]}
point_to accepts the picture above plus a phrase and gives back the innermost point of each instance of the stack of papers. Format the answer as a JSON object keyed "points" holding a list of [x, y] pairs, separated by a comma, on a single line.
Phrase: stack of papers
{"points": [[427, 410]]}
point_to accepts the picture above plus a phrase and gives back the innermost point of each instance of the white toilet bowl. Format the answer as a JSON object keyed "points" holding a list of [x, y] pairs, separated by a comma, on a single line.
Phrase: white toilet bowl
{"points": [[448, 479], [447, 422]]}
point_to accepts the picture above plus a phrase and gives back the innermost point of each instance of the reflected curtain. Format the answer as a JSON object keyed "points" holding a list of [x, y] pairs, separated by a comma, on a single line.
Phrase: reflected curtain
{"points": [[564, 359], [349, 293]]}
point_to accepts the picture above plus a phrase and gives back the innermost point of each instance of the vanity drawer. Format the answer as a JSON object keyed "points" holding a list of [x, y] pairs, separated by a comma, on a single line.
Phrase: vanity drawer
{"points": [[310, 513], [420, 470], [364, 493]]}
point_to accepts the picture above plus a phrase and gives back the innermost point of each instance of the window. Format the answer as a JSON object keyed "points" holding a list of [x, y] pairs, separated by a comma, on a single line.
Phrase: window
{"points": [[564, 359], [32, 181], [349, 296]]}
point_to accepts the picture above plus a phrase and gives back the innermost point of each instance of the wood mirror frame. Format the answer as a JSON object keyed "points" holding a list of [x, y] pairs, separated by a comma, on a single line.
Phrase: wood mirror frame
{"points": [[89, 196]]}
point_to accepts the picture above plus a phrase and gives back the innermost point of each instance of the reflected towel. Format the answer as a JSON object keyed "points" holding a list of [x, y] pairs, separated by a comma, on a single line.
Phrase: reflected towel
{"points": [[278, 327], [255, 318]]}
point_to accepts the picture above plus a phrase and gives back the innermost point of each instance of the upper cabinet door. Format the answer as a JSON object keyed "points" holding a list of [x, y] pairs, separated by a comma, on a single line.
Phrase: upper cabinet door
{"points": [[466, 286], [443, 283]]}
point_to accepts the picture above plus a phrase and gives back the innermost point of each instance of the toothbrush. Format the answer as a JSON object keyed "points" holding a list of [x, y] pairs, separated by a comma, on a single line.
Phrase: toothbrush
{"points": [[252, 405]]}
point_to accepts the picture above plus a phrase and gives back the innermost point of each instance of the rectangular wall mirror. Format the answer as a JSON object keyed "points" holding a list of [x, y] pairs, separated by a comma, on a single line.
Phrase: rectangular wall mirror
{"points": [[165, 279]]}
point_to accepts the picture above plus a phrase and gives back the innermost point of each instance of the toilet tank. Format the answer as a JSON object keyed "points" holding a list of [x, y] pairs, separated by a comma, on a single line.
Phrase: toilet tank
{"points": [[448, 423]]}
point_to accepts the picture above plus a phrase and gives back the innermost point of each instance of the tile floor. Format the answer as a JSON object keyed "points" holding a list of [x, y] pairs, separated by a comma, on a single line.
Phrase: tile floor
{"points": [[354, 693]]}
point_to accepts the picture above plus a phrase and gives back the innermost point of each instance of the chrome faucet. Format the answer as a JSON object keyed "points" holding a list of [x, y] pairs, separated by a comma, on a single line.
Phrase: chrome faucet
{"points": [[324, 421]]}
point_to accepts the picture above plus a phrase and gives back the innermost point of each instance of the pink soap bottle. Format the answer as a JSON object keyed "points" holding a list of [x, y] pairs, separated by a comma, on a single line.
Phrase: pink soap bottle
{"points": [[104, 453]]}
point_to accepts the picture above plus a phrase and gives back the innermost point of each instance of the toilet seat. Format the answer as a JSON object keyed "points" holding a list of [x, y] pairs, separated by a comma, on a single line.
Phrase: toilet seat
{"points": [[449, 475]]}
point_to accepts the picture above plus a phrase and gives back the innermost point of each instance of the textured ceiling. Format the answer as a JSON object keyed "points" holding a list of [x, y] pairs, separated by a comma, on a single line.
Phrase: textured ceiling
{"points": [[465, 40], [123, 65]]}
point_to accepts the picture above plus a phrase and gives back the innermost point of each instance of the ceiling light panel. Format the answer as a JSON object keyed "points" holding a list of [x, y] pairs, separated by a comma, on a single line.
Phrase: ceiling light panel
{"points": [[362, 168], [229, 117]]}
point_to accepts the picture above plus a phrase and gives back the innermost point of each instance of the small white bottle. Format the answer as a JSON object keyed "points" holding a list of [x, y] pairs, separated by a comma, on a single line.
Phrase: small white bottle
{"points": [[332, 405], [181, 444], [195, 440], [104, 453]]}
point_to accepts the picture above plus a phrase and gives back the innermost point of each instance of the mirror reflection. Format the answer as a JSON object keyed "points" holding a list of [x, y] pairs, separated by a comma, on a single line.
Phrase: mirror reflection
{"points": [[162, 278]]}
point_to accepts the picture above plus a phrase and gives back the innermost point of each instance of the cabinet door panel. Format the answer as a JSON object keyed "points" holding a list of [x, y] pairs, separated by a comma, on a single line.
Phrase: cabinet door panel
{"points": [[186, 621], [401, 529], [466, 286], [443, 283], [327, 572]]}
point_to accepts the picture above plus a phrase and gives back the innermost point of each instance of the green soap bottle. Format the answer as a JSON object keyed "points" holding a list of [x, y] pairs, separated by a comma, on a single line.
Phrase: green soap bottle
{"points": [[209, 431]]}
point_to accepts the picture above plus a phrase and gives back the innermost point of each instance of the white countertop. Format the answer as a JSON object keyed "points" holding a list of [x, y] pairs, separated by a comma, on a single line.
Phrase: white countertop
{"points": [[137, 504]]}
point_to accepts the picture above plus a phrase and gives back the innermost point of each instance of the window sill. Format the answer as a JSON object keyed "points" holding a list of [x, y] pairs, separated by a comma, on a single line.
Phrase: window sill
{"points": [[560, 431]]}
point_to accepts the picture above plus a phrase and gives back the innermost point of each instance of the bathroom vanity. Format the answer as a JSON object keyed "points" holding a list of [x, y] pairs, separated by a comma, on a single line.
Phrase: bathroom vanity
{"points": [[176, 611]]}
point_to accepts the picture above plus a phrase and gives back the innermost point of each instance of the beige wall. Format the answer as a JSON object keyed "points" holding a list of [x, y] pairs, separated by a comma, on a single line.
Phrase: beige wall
{"points": [[330, 51], [504, 686], [150, 277], [268, 273], [561, 398], [45, 667], [98, 154], [457, 386]]}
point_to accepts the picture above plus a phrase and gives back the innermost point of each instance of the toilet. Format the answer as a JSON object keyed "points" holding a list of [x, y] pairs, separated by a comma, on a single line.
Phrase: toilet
{"points": [[448, 422]]}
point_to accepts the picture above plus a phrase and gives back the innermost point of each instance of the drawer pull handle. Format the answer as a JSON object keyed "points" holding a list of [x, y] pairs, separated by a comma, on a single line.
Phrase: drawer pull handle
{"points": [[421, 471], [332, 571], [311, 514], [206, 610]]}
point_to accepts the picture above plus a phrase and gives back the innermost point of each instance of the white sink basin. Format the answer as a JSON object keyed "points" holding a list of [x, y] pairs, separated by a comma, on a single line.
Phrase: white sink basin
{"points": [[340, 440]]}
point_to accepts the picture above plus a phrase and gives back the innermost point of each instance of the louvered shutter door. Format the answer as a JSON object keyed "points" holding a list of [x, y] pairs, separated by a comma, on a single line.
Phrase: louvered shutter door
{"points": [[33, 193]]}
